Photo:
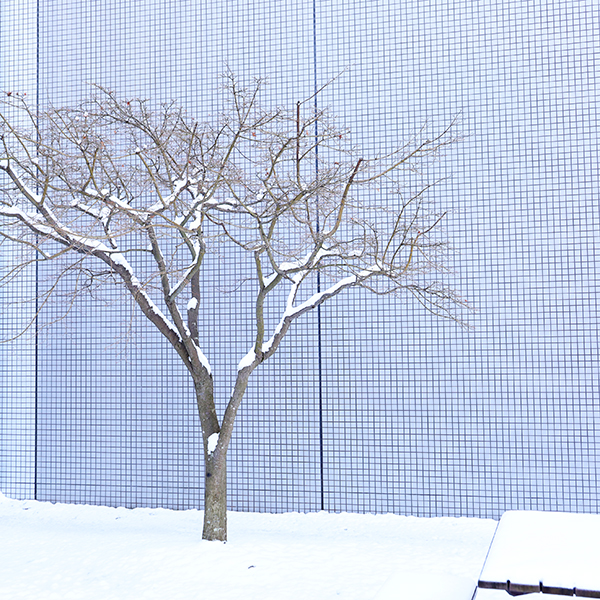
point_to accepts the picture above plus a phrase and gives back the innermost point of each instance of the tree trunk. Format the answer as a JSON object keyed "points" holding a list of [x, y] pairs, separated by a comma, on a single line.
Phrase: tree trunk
{"points": [[215, 482], [215, 463], [215, 497]]}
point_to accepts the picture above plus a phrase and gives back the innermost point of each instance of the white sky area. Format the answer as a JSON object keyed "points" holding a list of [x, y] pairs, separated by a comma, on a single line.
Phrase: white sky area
{"points": [[69, 552]]}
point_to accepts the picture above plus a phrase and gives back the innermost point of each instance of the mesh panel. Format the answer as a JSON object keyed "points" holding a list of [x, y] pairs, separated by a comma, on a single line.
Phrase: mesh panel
{"points": [[18, 46], [371, 404]]}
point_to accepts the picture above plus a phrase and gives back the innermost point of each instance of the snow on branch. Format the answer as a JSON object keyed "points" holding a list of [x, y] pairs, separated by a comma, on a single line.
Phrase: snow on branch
{"points": [[118, 177], [142, 195]]}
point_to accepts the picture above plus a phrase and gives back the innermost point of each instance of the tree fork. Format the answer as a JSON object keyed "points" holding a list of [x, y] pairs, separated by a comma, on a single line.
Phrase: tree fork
{"points": [[249, 178]]}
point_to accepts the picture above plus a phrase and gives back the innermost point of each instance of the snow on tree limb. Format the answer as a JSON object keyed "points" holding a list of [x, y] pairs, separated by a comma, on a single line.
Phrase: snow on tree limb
{"points": [[122, 191]]}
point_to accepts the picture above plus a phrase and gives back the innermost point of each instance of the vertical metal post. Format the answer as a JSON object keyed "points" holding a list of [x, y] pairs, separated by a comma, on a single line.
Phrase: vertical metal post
{"points": [[319, 316], [36, 327]]}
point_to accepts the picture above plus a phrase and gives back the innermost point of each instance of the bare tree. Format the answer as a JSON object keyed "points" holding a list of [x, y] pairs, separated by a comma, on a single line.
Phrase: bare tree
{"points": [[115, 186]]}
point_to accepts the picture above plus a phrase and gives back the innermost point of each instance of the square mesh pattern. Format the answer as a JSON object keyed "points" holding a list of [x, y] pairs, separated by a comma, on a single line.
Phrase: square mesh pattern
{"points": [[371, 404]]}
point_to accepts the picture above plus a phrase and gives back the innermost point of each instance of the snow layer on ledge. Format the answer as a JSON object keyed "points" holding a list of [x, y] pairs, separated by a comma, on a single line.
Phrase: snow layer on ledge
{"points": [[558, 549]]}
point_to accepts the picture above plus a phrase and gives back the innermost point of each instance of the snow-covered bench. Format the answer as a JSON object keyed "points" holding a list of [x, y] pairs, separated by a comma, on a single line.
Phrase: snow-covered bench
{"points": [[542, 554]]}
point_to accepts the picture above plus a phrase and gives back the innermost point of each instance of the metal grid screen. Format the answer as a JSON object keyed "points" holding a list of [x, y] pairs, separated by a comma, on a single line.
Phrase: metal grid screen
{"points": [[373, 405]]}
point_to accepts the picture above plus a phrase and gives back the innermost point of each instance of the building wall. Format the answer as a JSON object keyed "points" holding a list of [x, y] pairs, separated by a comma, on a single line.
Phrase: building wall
{"points": [[380, 407]]}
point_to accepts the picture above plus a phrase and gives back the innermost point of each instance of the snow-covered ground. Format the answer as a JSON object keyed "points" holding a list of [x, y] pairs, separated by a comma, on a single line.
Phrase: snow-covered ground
{"points": [[74, 552]]}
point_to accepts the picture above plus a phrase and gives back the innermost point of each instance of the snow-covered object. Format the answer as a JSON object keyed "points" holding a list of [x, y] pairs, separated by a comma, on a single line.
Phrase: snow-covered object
{"points": [[559, 550], [502, 595], [427, 585], [213, 440], [68, 552], [247, 360]]}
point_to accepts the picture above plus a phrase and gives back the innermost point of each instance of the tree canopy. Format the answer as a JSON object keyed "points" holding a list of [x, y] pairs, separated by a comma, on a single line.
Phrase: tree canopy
{"points": [[136, 195]]}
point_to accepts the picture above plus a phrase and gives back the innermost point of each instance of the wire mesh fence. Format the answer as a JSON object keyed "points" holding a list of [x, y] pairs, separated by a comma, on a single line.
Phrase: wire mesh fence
{"points": [[371, 405]]}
